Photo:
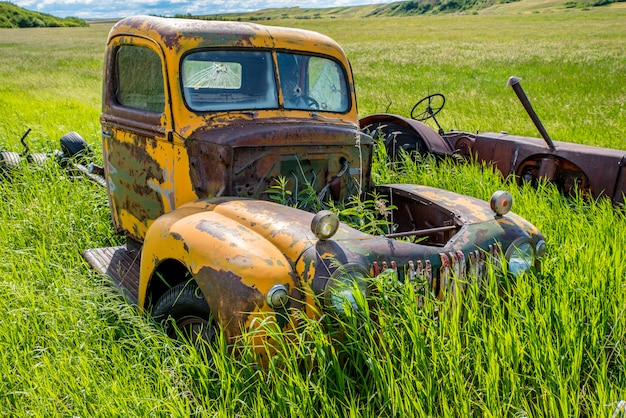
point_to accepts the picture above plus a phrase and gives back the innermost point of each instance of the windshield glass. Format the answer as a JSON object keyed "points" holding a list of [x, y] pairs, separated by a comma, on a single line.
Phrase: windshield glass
{"points": [[310, 82], [229, 80], [246, 80]]}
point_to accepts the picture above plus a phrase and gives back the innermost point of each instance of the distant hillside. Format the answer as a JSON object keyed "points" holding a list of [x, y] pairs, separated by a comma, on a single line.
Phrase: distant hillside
{"points": [[408, 8], [12, 16]]}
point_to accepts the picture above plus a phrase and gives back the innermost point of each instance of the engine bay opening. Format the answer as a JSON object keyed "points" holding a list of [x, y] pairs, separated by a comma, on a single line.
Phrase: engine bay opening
{"points": [[419, 220]]}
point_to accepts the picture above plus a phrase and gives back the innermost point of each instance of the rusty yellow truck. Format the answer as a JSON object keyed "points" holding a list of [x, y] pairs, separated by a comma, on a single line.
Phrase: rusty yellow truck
{"points": [[200, 119]]}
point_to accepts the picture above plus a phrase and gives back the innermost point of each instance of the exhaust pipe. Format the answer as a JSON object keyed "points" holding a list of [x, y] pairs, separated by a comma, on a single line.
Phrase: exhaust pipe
{"points": [[517, 88]]}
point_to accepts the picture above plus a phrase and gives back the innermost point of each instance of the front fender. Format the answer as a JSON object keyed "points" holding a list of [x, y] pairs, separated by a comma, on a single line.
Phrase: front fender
{"points": [[434, 143], [234, 266]]}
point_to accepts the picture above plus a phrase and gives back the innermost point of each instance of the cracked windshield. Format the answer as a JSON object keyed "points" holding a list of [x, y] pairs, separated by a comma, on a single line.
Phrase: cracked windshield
{"points": [[245, 80]]}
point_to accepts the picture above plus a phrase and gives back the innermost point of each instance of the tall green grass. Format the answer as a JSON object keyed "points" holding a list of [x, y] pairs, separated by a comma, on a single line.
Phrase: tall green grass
{"points": [[556, 346]]}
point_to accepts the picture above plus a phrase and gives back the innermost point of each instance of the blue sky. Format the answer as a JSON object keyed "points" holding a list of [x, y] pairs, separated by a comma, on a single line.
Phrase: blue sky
{"points": [[121, 8]]}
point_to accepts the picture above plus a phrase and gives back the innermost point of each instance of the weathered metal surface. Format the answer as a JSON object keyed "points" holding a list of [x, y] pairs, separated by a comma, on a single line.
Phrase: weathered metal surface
{"points": [[593, 170], [247, 159], [238, 249], [408, 134]]}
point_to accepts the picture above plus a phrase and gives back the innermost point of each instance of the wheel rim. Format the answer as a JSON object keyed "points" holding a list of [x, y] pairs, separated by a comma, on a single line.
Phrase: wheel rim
{"points": [[192, 327]]}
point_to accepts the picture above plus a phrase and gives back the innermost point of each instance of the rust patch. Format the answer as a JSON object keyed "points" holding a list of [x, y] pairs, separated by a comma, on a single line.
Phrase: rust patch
{"points": [[229, 298]]}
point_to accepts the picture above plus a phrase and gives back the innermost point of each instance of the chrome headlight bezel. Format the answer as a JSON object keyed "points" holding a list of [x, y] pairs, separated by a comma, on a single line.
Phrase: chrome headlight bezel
{"points": [[277, 296], [540, 249], [520, 256], [342, 285], [324, 224]]}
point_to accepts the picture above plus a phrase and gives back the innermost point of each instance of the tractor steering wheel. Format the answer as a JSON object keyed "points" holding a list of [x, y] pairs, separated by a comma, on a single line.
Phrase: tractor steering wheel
{"points": [[431, 109]]}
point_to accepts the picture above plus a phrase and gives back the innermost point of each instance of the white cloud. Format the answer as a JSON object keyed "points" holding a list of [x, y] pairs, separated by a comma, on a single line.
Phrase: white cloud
{"points": [[120, 8]]}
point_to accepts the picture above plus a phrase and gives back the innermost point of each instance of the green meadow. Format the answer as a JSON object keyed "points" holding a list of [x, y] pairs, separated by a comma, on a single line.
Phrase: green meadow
{"points": [[556, 347]]}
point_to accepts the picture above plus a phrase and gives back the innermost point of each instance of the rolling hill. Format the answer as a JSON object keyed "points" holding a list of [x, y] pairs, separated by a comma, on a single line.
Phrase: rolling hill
{"points": [[411, 8], [12, 16]]}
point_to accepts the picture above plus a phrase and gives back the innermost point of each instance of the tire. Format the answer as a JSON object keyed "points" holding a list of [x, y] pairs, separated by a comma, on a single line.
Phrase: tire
{"points": [[9, 161], [184, 312], [73, 145]]}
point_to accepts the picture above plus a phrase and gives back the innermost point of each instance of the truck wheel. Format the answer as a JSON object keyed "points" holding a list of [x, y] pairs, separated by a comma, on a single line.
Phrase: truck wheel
{"points": [[183, 311], [73, 145]]}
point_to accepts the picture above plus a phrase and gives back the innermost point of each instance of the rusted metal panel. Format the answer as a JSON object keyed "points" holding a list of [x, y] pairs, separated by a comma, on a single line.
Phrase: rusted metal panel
{"points": [[141, 188], [236, 251], [592, 169], [247, 161], [405, 133], [180, 35]]}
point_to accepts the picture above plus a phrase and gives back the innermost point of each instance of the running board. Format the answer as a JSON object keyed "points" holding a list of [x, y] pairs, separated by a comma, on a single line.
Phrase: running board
{"points": [[121, 265]]}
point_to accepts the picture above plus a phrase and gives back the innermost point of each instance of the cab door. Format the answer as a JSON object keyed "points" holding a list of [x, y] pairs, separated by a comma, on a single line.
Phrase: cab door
{"points": [[136, 133]]}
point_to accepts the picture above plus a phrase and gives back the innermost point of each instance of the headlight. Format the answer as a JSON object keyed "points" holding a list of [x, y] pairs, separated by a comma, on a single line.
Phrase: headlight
{"points": [[501, 202], [343, 285], [520, 256], [324, 224]]}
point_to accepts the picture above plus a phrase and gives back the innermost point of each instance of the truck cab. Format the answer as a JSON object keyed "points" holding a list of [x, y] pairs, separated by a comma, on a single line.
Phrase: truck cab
{"points": [[195, 109]]}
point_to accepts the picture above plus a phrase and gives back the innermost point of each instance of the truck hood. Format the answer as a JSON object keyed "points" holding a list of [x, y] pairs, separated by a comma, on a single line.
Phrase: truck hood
{"points": [[277, 132], [252, 159]]}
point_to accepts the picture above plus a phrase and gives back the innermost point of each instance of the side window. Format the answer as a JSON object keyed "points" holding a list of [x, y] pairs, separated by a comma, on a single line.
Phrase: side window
{"points": [[139, 78]]}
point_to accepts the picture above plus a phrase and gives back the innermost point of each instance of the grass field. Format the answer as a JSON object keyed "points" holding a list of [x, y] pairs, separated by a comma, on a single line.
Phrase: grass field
{"points": [[69, 346]]}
